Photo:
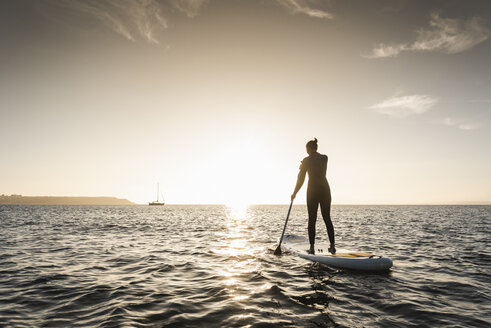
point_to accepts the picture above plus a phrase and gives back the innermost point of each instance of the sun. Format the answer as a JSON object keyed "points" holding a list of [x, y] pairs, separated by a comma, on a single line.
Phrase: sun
{"points": [[241, 174]]}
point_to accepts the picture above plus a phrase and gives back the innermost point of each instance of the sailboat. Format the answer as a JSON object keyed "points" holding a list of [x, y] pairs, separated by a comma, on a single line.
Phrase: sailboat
{"points": [[157, 201]]}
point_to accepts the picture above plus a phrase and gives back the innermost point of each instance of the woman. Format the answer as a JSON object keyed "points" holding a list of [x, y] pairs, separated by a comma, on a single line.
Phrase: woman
{"points": [[318, 192]]}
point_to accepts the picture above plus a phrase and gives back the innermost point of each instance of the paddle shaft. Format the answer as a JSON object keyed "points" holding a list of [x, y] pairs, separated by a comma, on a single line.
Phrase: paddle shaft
{"points": [[286, 221]]}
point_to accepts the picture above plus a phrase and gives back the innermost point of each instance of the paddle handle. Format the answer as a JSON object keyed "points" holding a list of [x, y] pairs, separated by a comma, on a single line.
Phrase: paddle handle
{"points": [[286, 221]]}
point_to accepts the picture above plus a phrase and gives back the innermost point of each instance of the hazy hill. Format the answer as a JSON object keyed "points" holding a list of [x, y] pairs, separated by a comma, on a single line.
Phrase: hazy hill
{"points": [[55, 200]]}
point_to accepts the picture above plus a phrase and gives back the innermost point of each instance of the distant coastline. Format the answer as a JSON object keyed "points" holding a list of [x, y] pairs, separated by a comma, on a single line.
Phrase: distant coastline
{"points": [[61, 200]]}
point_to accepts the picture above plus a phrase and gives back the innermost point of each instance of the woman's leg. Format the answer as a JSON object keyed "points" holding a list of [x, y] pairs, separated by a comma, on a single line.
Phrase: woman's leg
{"points": [[312, 206], [326, 215]]}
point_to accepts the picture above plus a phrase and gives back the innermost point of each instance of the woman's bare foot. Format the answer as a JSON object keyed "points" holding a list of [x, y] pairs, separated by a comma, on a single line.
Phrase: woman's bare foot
{"points": [[332, 250], [311, 250]]}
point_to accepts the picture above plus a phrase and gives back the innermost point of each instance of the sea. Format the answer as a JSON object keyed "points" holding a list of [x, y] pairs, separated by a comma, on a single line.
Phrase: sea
{"points": [[213, 266]]}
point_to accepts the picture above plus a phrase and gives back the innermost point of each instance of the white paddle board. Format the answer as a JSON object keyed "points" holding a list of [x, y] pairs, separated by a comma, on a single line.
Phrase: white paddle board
{"points": [[299, 245]]}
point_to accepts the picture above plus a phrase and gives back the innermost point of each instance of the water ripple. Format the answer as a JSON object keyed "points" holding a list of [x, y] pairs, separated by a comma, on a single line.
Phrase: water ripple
{"points": [[198, 266]]}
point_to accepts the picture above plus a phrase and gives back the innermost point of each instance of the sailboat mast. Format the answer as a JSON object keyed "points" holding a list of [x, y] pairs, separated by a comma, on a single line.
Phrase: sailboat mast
{"points": [[157, 192]]}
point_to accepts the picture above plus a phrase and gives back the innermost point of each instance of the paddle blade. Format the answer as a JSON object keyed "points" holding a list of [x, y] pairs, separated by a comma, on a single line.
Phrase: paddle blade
{"points": [[277, 251]]}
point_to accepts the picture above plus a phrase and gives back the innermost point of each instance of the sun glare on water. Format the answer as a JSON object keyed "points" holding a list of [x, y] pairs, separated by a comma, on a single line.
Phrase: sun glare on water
{"points": [[234, 245]]}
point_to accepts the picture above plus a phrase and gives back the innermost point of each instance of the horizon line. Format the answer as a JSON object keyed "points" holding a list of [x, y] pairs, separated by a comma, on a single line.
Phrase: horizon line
{"points": [[334, 204], [459, 203]]}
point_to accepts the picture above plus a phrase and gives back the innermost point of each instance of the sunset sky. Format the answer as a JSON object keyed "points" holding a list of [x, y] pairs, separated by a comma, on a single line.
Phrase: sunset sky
{"points": [[216, 99]]}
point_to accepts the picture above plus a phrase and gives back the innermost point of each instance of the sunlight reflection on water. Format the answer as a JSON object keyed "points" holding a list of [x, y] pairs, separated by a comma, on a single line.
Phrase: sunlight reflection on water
{"points": [[234, 244]]}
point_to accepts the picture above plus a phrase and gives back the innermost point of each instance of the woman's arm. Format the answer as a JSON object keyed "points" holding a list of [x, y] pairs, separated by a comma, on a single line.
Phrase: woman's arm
{"points": [[300, 179]]}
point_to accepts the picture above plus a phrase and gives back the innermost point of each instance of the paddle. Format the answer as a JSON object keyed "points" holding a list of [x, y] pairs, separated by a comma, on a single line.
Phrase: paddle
{"points": [[278, 249]]}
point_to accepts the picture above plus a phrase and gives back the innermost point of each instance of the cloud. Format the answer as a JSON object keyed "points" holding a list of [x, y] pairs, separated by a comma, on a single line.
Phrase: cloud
{"points": [[189, 7], [133, 19], [402, 106], [393, 6], [147, 19], [449, 121], [469, 126], [460, 124], [446, 35], [383, 51], [305, 7]]}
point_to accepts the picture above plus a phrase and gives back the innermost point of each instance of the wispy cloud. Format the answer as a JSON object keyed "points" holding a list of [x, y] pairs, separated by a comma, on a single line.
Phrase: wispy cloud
{"points": [[189, 7], [446, 35], [469, 126], [133, 19], [460, 124], [383, 51], [147, 19], [449, 121], [305, 7], [402, 106]]}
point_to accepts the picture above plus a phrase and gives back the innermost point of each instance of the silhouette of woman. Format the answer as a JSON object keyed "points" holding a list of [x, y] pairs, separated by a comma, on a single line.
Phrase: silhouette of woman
{"points": [[318, 192]]}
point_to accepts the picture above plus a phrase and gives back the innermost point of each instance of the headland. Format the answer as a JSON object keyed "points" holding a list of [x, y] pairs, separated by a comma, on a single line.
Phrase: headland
{"points": [[61, 200]]}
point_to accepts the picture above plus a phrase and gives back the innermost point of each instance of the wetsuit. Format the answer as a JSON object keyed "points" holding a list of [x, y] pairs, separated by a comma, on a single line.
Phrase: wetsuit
{"points": [[318, 192]]}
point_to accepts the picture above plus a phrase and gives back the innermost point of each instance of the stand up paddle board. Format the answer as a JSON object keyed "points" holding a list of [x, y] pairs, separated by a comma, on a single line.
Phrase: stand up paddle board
{"points": [[299, 245]]}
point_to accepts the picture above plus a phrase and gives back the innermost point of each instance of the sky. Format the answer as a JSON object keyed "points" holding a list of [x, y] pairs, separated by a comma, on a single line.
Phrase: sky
{"points": [[215, 99]]}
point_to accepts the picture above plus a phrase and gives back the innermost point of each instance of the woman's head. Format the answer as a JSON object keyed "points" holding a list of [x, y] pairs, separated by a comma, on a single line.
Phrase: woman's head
{"points": [[311, 146]]}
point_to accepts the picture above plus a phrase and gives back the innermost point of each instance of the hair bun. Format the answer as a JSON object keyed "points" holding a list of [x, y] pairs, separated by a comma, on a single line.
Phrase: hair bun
{"points": [[312, 144]]}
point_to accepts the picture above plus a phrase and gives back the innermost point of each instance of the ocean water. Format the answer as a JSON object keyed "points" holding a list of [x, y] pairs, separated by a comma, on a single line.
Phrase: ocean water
{"points": [[213, 266]]}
